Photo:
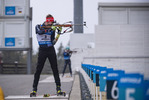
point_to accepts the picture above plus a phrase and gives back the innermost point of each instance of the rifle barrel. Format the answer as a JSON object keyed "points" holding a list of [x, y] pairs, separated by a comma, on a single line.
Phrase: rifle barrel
{"points": [[59, 25]]}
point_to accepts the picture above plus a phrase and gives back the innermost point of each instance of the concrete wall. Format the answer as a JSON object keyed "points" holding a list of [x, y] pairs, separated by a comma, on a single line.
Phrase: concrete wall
{"points": [[81, 43], [121, 39], [123, 13]]}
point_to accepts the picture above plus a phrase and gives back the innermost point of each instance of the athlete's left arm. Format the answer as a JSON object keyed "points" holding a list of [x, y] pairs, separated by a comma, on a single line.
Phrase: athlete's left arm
{"points": [[59, 29]]}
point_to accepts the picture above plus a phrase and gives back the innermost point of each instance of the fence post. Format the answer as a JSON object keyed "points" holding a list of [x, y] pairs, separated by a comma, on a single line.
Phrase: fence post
{"points": [[1, 68], [16, 67]]}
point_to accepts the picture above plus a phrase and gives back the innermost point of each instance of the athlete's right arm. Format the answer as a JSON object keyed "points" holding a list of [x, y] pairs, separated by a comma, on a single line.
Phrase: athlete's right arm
{"points": [[38, 30]]}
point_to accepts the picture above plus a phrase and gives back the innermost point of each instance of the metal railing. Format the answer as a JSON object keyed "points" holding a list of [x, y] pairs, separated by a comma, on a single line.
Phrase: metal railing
{"points": [[13, 68]]}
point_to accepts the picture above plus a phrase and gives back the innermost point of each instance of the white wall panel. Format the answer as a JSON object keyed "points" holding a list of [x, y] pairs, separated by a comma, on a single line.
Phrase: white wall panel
{"points": [[146, 43], [17, 30], [1, 8], [139, 16], [21, 7], [107, 40], [122, 40], [1, 34], [132, 40], [146, 68], [81, 40], [114, 15]]}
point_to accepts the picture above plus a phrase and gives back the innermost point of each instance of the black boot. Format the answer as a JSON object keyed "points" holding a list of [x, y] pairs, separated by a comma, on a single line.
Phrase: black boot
{"points": [[59, 91], [33, 94]]}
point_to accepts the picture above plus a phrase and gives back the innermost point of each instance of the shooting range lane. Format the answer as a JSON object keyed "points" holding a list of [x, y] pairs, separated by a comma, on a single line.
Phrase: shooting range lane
{"points": [[46, 86]]}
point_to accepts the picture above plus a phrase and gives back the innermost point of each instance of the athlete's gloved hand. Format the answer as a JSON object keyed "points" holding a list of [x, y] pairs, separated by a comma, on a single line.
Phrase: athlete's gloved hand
{"points": [[59, 29], [53, 27]]}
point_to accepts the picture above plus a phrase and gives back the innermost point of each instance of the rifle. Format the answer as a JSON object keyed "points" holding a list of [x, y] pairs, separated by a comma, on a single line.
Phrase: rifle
{"points": [[73, 51], [69, 28], [67, 25]]}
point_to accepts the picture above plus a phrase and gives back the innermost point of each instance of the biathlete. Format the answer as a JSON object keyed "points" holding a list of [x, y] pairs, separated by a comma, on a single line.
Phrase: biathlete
{"points": [[67, 54], [46, 40]]}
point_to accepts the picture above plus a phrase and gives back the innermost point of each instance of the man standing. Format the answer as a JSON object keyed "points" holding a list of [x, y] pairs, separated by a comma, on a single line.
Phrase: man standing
{"points": [[67, 54], [46, 40]]}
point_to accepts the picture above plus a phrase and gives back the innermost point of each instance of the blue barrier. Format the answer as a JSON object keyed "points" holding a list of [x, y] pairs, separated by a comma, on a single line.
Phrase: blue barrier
{"points": [[91, 68], [112, 81], [131, 87], [117, 84], [146, 90], [96, 74], [103, 77]]}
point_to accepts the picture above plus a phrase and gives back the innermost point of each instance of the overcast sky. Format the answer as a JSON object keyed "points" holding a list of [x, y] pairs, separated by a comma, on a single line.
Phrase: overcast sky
{"points": [[62, 10]]}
